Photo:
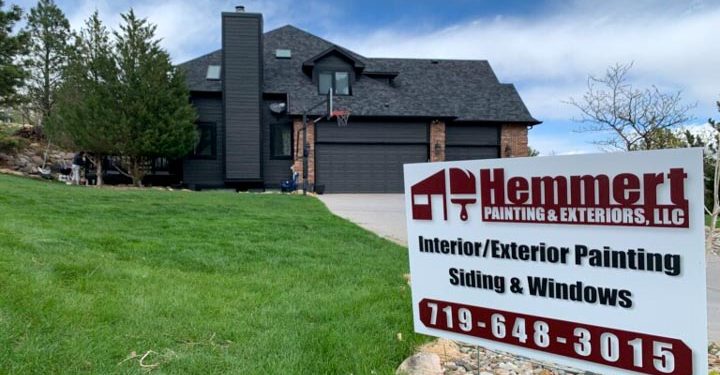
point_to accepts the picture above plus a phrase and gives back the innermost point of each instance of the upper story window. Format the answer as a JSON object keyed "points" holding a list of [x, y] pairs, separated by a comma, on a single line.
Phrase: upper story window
{"points": [[338, 81]]}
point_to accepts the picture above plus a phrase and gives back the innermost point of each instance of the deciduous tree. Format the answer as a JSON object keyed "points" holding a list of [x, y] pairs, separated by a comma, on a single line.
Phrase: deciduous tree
{"points": [[632, 118], [714, 210]]}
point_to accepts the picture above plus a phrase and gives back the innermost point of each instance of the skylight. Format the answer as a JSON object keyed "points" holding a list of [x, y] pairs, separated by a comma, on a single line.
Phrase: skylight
{"points": [[283, 53], [213, 72]]}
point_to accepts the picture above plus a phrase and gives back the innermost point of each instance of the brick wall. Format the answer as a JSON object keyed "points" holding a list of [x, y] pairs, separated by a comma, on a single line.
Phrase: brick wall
{"points": [[437, 141], [513, 140], [298, 153]]}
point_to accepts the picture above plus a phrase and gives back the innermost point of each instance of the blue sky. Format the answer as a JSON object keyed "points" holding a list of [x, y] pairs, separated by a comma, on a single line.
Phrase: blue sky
{"points": [[546, 48]]}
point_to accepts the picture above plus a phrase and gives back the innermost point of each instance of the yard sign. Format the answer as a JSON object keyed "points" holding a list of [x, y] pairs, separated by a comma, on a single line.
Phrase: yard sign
{"points": [[593, 261]]}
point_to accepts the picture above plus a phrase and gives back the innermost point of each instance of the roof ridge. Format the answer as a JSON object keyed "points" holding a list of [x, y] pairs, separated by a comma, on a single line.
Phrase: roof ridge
{"points": [[332, 44], [426, 59], [286, 26], [199, 57]]}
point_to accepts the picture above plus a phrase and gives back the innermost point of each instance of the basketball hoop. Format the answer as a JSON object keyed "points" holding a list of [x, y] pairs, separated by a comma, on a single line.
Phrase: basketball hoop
{"points": [[341, 116]]}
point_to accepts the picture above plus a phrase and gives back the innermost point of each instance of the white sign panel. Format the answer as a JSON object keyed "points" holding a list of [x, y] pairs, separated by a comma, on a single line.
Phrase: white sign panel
{"points": [[593, 261]]}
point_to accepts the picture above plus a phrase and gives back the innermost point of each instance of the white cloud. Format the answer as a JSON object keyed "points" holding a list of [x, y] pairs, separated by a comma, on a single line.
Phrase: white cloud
{"points": [[550, 55], [549, 141]]}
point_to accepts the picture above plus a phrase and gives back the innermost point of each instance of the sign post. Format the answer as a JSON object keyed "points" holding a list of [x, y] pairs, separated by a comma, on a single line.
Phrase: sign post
{"points": [[592, 261]]}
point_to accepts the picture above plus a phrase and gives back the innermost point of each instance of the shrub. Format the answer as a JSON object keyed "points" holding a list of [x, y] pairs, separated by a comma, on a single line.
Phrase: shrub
{"points": [[12, 144]]}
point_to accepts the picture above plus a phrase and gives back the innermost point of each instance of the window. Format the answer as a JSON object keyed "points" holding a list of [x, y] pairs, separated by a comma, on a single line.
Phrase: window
{"points": [[338, 81], [213, 72], [206, 145], [325, 82], [281, 141], [342, 83]]}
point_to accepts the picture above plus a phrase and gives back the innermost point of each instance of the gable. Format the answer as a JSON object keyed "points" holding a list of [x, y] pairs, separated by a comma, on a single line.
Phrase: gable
{"points": [[333, 61]]}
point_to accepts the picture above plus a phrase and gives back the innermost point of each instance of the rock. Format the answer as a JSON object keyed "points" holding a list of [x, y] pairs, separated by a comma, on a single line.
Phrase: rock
{"points": [[508, 366], [444, 348], [37, 160], [421, 364]]}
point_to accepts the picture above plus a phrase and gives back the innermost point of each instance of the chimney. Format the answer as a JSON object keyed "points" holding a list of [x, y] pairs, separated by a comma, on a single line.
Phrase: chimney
{"points": [[240, 9], [242, 72]]}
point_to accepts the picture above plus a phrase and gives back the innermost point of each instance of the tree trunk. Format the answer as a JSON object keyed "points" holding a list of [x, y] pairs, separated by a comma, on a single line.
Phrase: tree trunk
{"points": [[715, 212], [99, 172], [97, 160], [137, 172]]}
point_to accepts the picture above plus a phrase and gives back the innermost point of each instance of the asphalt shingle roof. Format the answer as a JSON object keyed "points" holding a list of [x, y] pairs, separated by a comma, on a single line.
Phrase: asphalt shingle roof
{"points": [[461, 89]]}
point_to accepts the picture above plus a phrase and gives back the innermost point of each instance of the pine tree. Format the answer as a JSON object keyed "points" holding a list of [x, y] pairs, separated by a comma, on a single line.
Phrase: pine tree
{"points": [[153, 97], [49, 37], [86, 115], [12, 49]]}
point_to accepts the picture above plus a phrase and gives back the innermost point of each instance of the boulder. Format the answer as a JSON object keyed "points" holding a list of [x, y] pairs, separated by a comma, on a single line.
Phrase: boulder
{"points": [[37, 160], [421, 364]]}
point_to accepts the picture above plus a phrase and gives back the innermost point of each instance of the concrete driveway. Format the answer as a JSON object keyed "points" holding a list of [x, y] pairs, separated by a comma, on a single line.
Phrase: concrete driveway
{"points": [[384, 214]]}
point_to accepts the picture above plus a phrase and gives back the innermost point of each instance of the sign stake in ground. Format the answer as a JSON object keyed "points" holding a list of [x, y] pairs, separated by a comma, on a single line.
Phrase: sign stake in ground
{"points": [[592, 261]]}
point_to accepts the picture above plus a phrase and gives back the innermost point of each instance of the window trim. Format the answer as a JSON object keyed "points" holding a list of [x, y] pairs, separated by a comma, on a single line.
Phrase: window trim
{"points": [[334, 81], [273, 136], [212, 127]]}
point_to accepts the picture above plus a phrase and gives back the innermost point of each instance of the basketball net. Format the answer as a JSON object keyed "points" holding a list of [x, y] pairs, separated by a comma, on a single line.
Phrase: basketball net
{"points": [[341, 116]]}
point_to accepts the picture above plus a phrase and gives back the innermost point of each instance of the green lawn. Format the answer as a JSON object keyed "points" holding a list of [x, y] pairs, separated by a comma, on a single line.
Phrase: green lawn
{"points": [[210, 282]]}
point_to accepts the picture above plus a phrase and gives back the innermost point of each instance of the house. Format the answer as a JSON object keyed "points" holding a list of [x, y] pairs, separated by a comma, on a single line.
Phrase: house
{"points": [[251, 94]]}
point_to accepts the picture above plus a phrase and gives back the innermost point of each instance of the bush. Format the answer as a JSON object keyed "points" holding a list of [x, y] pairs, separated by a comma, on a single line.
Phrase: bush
{"points": [[12, 144]]}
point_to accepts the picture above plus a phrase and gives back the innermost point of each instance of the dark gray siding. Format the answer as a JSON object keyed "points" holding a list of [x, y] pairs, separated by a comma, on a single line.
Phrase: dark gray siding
{"points": [[274, 170], [242, 80], [372, 132], [202, 171], [365, 168], [468, 141]]}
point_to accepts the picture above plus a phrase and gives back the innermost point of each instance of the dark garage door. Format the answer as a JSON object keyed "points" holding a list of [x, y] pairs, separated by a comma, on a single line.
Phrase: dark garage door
{"points": [[468, 141], [470, 152], [368, 168], [367, 156]]}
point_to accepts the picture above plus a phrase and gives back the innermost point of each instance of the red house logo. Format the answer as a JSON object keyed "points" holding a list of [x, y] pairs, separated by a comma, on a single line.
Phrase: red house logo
{"points": [[463, 192]]}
